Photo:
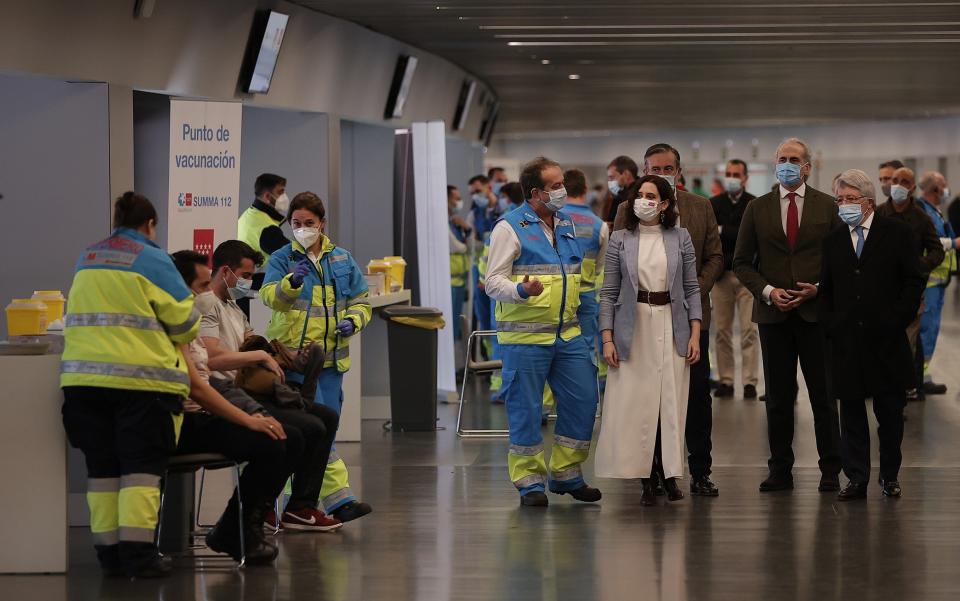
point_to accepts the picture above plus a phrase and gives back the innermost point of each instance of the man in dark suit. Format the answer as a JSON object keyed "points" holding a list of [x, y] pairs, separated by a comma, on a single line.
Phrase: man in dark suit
{"points": [[778, 258], [697, 217], [730, 297], [870, 290], [622, 183]]}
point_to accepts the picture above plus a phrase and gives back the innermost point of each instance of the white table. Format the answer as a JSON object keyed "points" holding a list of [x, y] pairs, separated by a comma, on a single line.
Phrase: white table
{"points": [[352, 414], [33, 466]]}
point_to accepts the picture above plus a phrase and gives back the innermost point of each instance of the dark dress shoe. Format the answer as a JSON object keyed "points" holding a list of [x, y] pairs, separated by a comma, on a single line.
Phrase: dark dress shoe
{"points": [[723, 391], [703, 487], [829, 484], [853, 492], [534, 499], [891, 488], [673, 491], [648, 498], [585, 493], [750, 392], [775, 482], [933, 388]]}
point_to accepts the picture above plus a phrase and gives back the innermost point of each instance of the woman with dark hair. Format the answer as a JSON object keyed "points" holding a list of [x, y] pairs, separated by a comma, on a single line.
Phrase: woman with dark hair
{"points": [[650, 316], [319, 295]]}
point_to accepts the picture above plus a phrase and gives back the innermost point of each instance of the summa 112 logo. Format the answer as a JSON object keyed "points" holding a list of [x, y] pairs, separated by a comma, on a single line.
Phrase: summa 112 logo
{"points": [[188, 200], [185, 199]]}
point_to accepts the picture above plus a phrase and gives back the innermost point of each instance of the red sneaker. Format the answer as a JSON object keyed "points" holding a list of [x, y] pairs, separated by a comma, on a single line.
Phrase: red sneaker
{"points": [[270, 521], [309, 519]]}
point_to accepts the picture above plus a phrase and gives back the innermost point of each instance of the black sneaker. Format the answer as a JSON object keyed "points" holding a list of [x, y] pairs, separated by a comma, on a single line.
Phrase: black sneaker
{"points": [[585, 493], [750, 392], [703, 487], [352, 511], [933, 388], [723, 391], [534, 499]]}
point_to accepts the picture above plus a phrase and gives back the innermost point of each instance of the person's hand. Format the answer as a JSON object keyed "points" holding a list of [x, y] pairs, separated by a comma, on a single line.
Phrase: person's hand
{"points": [[267, 425], [782, 299], [532, 287], [610, 354], [346, 328], [803, 293], [693, 351], [266, 361], [300, 271], [460, 222]]}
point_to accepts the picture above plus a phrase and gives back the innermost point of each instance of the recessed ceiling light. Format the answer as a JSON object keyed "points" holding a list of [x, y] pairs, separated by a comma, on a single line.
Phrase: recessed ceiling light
{"points": [[573, 76], [545, 61]]}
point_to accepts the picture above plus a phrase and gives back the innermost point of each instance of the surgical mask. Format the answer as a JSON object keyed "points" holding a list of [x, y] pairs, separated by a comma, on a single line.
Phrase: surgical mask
{"points": [[480, 200], [788, 174], [851, 214], [671, 179], [307, 236], [458, 206], [558, 199], [945, 195], [614, 186], [899, 194], [242, 289], [497, 186], [885, 188], [646, 209], [282, 203], [732, 184], [205, 302]]}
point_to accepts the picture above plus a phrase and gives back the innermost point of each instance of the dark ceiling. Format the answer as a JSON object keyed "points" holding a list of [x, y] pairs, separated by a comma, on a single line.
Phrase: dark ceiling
{"points": [[686, 64]]}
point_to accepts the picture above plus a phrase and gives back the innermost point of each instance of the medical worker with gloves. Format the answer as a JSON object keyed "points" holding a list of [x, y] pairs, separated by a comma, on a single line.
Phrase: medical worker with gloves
{"points": [[319, 295], [533, 271]]}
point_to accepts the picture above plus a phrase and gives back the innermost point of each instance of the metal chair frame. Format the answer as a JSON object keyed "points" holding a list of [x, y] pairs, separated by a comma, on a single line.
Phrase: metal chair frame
{"points": [[477, 367]]}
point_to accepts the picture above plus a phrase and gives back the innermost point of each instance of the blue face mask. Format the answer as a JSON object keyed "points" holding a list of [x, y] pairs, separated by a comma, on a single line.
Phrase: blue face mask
{"points": [[614, 186], [899, 194], [788, 174], [851, 214], [242, 289], [480, 200], [497, 186]]}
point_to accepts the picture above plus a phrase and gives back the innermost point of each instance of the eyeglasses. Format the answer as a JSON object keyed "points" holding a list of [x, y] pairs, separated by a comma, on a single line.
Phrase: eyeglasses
{"points": [[841, 200]]}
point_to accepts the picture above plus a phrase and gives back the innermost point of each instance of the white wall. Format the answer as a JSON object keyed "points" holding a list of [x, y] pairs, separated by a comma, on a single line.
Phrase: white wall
{"points": [[836, 147]]}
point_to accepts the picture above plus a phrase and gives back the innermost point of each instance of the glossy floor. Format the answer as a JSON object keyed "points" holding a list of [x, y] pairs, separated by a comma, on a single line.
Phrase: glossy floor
{"points": [[447, 526]]}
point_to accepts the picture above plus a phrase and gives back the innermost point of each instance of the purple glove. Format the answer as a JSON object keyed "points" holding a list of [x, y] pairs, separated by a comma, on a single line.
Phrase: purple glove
{"points": [[300, 271], [346, 328]]}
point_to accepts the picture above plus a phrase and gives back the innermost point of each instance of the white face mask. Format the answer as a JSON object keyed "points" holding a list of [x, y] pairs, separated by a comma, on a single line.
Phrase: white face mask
{"points": [[945, 195], [732, 184], [458, 206], [282, 203], [205, 302], [558, 199], [646, 209], [307, 236], [671, 179]]}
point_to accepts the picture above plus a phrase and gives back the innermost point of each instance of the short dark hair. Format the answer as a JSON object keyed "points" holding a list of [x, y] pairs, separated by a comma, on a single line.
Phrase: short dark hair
{"points": [[307, 201], [669, 215], [483, 179], [532, 175], [186, 262], [661, 147], [741, 163], [492, 171], [895, 163], [450, 190], [133, 210], [624, 163], [231, 253], [575, 182], [513, 191], [267, 182]]}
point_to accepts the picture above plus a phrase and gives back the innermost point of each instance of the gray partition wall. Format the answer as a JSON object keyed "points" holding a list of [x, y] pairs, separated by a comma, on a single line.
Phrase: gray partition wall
{"points": [[55, 181]]}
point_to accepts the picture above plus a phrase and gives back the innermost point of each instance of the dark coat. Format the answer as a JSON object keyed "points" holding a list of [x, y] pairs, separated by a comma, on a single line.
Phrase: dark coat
{"points": [[866, 305]]}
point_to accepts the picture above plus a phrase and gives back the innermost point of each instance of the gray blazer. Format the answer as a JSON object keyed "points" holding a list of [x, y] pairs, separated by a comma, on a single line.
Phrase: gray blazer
{"points": [[618, 297]]}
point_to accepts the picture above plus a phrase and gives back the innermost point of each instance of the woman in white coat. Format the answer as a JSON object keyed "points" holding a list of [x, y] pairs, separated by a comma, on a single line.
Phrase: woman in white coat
{"points": [[650, 323]]}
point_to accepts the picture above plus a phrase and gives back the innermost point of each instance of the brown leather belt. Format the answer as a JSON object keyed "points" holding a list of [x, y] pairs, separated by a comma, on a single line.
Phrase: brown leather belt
{"points": [[653, 298]]}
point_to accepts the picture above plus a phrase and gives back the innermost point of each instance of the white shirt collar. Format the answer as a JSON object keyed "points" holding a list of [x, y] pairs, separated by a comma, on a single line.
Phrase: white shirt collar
{"points": [[800, 192], [867, 223]]}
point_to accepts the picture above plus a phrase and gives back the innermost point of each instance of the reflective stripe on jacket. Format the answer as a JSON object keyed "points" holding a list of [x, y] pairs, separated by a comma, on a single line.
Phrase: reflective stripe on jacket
{"points": [[251, 225], [459, 262], [128, 310], [333, 291], [540, 319], [940, 276]]}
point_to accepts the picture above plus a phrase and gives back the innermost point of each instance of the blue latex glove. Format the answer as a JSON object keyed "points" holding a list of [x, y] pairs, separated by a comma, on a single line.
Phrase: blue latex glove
{"points": [[300, 271], [346, 328]]}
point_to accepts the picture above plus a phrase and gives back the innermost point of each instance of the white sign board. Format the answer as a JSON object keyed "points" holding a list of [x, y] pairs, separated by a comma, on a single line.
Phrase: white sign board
{"points": [[204, 174]]}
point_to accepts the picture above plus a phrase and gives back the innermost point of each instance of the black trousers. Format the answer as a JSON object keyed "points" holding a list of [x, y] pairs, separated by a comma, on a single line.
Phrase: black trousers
{"points": [[782, 345], [269, 462], [855, 435], [699, 427], [317, 425], [126, 437]]}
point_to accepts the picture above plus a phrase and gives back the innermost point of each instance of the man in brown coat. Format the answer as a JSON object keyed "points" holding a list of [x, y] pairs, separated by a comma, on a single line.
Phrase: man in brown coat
{"points": [[778, 258], [698, 218]]}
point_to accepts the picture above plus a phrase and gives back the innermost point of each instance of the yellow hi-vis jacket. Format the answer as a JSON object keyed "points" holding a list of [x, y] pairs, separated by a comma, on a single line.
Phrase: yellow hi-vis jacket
{"points": [[128, 310]]}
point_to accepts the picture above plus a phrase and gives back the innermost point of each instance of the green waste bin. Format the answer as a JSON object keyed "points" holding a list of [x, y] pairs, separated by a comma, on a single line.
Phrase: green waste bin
{"points": [[412, 347]]}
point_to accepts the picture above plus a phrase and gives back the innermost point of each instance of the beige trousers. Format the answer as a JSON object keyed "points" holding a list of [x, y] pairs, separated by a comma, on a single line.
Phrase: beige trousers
{"points": [[730, 296]]}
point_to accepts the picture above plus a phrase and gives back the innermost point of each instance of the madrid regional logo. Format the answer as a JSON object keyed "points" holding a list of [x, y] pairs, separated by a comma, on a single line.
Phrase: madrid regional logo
{"points": [[185, 199]]}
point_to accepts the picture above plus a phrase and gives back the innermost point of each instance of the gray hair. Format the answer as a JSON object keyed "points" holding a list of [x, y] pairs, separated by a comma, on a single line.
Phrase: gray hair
{"points": [[799, 142], [857, 179], [930, 179]]}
